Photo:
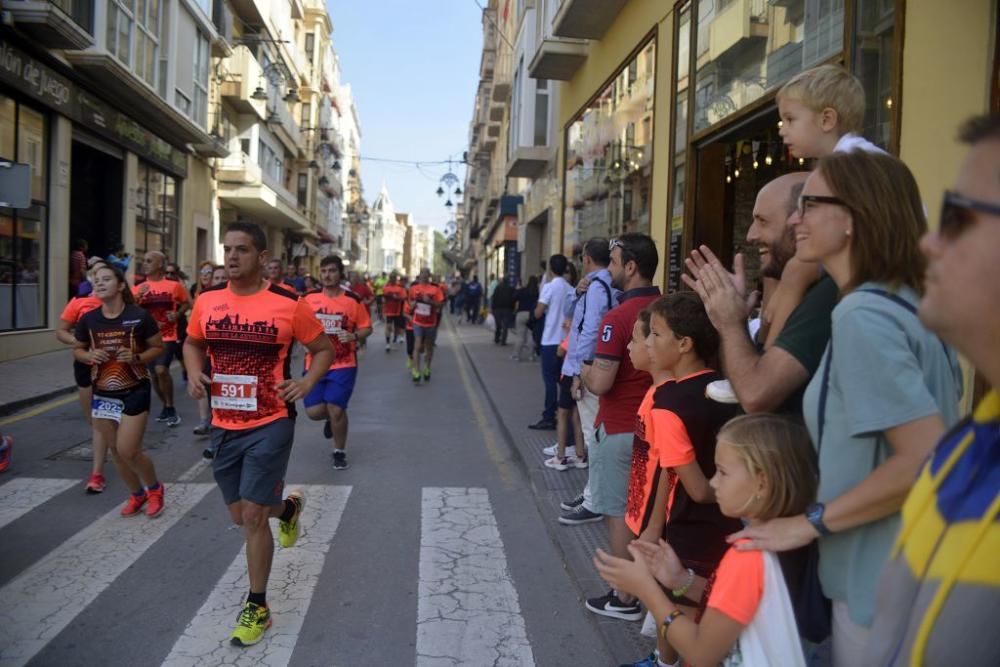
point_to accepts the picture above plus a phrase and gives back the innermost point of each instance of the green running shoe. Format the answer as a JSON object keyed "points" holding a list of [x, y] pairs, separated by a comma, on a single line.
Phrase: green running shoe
{"points": [[251, 624], [288, 531]]}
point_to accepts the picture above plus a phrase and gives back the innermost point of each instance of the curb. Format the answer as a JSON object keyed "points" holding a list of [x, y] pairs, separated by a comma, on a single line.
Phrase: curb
{"points": [[8, 409], [522, 463]]}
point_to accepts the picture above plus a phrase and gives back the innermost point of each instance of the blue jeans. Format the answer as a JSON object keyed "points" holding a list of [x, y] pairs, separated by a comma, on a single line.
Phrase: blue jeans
{"points": [[550, 376]]}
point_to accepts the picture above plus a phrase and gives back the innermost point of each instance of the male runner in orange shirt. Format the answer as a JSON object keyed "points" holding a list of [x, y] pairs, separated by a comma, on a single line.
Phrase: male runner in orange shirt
{"points": [[346, 321], [247, 326], [393, 297], [167, 301], [426, 300]]}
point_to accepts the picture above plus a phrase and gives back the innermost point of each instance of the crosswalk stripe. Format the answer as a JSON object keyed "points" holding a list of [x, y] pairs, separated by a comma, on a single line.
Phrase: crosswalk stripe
{"points": [[467, 607], [46, 597], [294, 575], [20, 496]]}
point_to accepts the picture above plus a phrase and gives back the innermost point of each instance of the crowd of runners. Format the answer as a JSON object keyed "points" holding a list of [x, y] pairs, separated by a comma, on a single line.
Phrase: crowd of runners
{"points": [[233, 332], [786, 484]]}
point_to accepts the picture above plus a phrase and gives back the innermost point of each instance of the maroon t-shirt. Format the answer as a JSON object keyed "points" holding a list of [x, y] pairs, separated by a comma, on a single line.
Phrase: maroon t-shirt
{"points": [[619, 406]]}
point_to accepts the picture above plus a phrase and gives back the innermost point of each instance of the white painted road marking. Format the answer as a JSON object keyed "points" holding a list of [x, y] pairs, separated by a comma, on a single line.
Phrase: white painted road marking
{"points": [[467, 608], [20, 496], [46, 597], [294, 575]]}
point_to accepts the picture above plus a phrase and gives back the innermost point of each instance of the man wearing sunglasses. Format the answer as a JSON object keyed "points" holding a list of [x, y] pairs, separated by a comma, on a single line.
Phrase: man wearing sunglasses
{"points": [[941, 587]]}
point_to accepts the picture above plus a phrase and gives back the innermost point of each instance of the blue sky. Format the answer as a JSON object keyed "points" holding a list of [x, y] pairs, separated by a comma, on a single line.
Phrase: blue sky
{"points": [[414, 68]]}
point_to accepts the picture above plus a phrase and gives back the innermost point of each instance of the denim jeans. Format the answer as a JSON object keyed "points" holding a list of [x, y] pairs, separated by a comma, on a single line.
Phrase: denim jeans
{"points": [[550, 376]]}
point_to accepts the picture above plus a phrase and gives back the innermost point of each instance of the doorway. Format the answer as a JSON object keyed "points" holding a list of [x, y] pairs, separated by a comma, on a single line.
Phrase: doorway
{"points": [[731, 168], [96, 198]]}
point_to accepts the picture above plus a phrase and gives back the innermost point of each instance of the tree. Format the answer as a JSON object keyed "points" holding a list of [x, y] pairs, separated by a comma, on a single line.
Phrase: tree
{"points": [[442, 266]]}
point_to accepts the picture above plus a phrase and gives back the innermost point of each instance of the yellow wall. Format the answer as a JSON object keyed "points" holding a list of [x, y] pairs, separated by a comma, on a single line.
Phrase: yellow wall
{"points": [[635, 21], [197, 193], [947, 66]]}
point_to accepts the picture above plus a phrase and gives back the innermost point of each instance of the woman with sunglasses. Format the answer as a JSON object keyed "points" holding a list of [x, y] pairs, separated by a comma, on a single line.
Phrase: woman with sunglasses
{"points": [[886, 389], [117, 340]]}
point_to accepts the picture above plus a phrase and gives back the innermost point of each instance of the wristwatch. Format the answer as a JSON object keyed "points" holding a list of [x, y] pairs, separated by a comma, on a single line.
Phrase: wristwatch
{"points": [[814, 515]]}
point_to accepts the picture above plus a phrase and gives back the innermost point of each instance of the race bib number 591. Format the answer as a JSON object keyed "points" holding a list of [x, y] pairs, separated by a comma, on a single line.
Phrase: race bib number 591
{"points": [[234, 392]]}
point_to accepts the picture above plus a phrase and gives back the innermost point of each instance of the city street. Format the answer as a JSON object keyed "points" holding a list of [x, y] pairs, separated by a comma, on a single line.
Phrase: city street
{"points": [[439, 546]]}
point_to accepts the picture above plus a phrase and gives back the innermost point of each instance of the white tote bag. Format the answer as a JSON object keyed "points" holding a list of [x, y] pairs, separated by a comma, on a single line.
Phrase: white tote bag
{"points": [[772, 638]]}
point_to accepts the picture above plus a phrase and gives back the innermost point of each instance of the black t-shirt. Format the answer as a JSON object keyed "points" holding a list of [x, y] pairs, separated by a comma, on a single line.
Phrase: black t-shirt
{"points": [[130, 330]]}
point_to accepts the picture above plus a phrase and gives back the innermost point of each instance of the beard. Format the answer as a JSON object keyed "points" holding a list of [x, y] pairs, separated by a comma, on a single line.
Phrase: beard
{"points": [[780, 253]]}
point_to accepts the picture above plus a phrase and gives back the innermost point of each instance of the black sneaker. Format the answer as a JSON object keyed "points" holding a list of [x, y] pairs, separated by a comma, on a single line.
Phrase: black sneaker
{"points": [[340, 460], [327, 430], [173, 419], [208, 453], [543, 425], [570, 505], [578, 516], [611, 605], [164, 415]]}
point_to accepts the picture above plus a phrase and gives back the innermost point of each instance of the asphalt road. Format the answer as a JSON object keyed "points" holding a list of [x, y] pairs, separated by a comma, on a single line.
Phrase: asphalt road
{"points": [[430, 550]]}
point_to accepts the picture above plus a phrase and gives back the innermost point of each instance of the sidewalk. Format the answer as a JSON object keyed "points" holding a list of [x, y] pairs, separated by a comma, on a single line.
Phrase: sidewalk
{"points": [[35, 379], [515, 392]]}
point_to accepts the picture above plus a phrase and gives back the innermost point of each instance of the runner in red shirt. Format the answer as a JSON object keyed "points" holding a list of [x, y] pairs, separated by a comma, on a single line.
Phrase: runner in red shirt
{"points": [[247, 327], [426, 300], [74, 310], [346, 321], [393, 297], [167, 301]]}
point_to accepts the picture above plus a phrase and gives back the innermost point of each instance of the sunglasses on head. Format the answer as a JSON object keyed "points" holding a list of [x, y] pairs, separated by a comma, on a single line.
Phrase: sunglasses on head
{"points": [[959, 212]]}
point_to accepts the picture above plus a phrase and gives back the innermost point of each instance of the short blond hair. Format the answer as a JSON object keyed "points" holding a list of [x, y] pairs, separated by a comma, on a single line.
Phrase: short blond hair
{"points": [[780, 450], [833, 87]]}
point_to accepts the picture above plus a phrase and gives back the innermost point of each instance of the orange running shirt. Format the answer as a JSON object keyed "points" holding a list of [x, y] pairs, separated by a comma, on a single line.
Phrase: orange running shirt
{"points": [[248, 340], [336, 314], [79, 306], [160, 297], [393, 297], [737, 586], [425, 297], [129, 330]]}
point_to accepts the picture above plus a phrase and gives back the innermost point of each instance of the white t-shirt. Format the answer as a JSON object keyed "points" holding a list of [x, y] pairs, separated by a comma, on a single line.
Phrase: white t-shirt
{"points": [[554, 296], [851, 141]]}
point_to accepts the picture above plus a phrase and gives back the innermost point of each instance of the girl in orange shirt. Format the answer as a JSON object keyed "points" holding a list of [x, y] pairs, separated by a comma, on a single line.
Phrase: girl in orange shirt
{"points": [[765, 468]]}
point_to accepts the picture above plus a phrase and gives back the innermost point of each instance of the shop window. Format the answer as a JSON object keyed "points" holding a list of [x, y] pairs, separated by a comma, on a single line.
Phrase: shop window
{"points": [[747, 48], [23, 283], [873, 63], [609, 155], [156, 211]]}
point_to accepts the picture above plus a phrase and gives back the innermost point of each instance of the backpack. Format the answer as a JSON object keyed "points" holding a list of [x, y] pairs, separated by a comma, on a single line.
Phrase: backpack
{"points": [[607, 290]]}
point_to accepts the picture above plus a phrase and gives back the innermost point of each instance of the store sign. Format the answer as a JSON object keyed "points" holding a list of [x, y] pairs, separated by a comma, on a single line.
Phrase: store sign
{"points": [[40, 82]]}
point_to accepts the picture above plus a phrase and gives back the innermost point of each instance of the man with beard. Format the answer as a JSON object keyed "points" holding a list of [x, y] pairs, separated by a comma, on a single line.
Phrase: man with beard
{"points": [[770, 379]]}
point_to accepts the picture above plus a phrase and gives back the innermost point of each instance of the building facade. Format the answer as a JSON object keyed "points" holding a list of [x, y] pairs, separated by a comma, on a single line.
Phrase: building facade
{"points": [[154, 124], [666, 121]]}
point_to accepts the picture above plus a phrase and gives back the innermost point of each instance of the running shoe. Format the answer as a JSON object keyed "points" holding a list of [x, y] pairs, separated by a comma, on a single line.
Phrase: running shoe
{"points": [[203, 428], [427, 375], [208, 453], [155, 505], [579, 516], [569, 505], [6, 451], [288, 531], [611, 605], [543, 425], [415, 374], [96, 483], [134, 504], [251, 624], [164, 415], [388, 347], [552, 450], [340, 460], [173, 419], [649, 661]]}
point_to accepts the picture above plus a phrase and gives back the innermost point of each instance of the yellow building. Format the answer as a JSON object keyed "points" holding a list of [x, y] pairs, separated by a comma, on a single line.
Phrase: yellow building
{"points": [[667, 113]]}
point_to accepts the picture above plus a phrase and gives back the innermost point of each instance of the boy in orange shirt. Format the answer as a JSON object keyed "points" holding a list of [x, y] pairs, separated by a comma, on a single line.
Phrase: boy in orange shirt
{"points": [[347, 322]]}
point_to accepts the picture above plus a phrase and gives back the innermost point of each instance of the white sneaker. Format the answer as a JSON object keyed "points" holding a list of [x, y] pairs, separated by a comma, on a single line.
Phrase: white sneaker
{"points": [[551, 450], [721, 391], [388, 347], [565, 463]]}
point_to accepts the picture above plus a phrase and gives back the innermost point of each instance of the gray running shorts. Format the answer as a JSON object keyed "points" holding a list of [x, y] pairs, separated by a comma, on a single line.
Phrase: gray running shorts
{"points": [[251, 464]]}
